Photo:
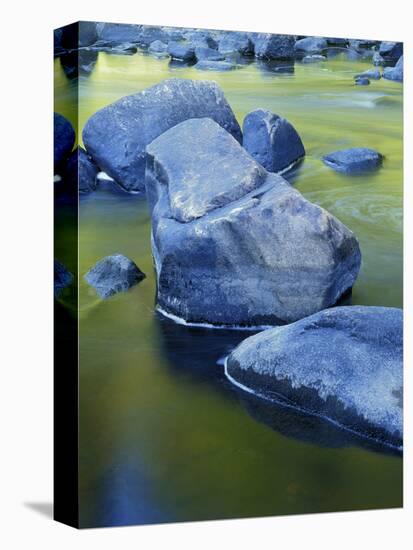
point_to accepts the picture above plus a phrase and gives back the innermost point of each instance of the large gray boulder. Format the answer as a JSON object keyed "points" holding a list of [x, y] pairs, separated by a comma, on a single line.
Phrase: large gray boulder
{"points": [[311, 44], [394, 73], [234, 244], [184, 51], [112, 274], [117, 135], [236, 42], [113, 34], [271, 140], [344, 363], [273, 46]]}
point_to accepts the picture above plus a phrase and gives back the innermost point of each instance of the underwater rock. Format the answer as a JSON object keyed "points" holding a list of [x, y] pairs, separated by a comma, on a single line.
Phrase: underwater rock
{"points": [[236, 42], [314, 58], [391, 51], [361, 81], [62, 278], [311, 45], [113, 274], [372, 74], [207, 65], [203, 53], [81, 172], [356, 160], [273, 46], [233, 244], [182, 51], [344, 363], [394, 73], [117, 135], [64, 138], [271, 140]]}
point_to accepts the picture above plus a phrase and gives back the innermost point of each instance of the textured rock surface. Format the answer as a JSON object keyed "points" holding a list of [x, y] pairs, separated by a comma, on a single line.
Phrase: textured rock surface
{"points": [[62, 278], [207, 65], [394, 73], [311, 44], [81, 171], [344, 363], [361, 81], [391, 51], [113, 274], [271, 140], [182, 51], [203, 53], [236, 42], [273, 46], [354, 161], [233, 244], [117, 135], [158, 48], [118, 33], [64, 138]]}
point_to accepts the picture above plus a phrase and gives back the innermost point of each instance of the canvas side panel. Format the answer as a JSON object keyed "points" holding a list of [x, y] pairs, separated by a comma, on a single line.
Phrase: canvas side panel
{"points": [[66, 505]]}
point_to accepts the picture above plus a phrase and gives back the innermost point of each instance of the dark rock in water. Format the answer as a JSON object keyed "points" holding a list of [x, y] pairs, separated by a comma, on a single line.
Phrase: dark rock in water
{"points": [[331, 41], [173, 33], [81, 172], [311, 44], [361, 81], [271, 140], [372, 74], [64, 138], [117, 33], [158, 48], [62, 278], [113, 274], [360, 45], [344, 363], [236, 42], [391, 51], [203, 53], [57, 42], [354, 161], [394, 73], [207, 65], [314, 58], [273, 46], [127, 48], [214, 209], [183, 51], [117, 135]]}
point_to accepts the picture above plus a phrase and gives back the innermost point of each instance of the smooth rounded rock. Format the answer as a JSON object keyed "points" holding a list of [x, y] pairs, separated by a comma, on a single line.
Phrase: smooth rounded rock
{"points": [[311, 45], [273, 46], [356, 160]]}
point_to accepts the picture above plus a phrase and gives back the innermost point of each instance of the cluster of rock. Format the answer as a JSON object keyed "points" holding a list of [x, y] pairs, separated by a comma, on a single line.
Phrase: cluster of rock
{"points": [[390, 73]]}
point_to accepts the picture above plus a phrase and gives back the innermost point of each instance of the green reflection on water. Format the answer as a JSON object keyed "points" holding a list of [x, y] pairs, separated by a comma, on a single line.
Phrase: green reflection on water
{"points": [[190, 449]]}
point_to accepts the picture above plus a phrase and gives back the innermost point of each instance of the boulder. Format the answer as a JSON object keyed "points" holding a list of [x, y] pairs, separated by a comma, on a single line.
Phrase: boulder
{"points": [[271, 140], [201, 38], [207, 65], [394, 73], [113, 274], [158, 48], [391, 51], [314, 58], [378, 60], [64, 138], [117, 135], [62, 278], [203, 53], [344, 364], [236, 42], [356, 160], [113, 34], [148, 34], [273, 46], [311, 44], [361, 81], [372, 74], [184, 51], [233, 244], [337, 42], [81, 172]]}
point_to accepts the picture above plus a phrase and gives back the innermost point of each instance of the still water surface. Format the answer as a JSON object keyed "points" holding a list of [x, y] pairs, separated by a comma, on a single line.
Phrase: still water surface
{"points": [[163, 435]]}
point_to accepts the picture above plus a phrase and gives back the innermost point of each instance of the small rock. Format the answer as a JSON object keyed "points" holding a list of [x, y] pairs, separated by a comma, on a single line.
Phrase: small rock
{"points": [[62, 278], [372, 74], [391, 51], [354, 161], [378, 60], [361, 81], [113, 274], [182, 51]]}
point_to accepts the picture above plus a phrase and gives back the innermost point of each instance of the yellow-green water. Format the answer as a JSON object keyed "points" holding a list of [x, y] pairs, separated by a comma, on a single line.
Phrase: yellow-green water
{"points": [[163, 435]]}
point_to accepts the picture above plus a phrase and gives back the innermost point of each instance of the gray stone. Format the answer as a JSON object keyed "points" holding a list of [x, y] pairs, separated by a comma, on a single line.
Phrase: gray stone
{"points": [[338, 42], [271, 140], [378, 60], [361, 81], [234, 244], [372, 74], [117, 135], [62, 278], [394, 73], [311, 44], [113, 274], [391, 51], [203, 53], [356, 160], [81, 172], [207, 65], [184, 51], [344, 363], [158, 48], [273, 46], [236, 42]]}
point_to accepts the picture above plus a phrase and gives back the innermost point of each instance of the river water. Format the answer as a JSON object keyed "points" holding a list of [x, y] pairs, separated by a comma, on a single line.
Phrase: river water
{"points": [[163, 435]]}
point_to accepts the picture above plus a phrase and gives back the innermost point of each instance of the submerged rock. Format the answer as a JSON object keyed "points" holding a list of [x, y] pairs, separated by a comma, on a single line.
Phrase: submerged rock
{"points": [[311, 44], [182, 51], [234, 244], [207, 65], [361, 81], [81, 172], [62, 278], [113, 274], [271, 140], [273, 46], [394, 73], [64, 138], [356, 160], [344, 363], [372, 74], [117, 135]]}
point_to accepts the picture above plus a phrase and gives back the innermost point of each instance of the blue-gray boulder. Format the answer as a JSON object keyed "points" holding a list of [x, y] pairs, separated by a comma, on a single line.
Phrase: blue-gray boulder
{"points": [[394, 73], [371, 74], [184, 51], [81, 172], [337, 42], [233, 244], [64, 138], [311, 44], [236, 42], [356, 160], [201, 38], [378, 60], [62, 278], [117, 135], [391, 51], [113, 274], [271, 140], [208, 65], [361, 81], [273, 46], [344, 364], [118, 33], [158, 48], [203, 53]]}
